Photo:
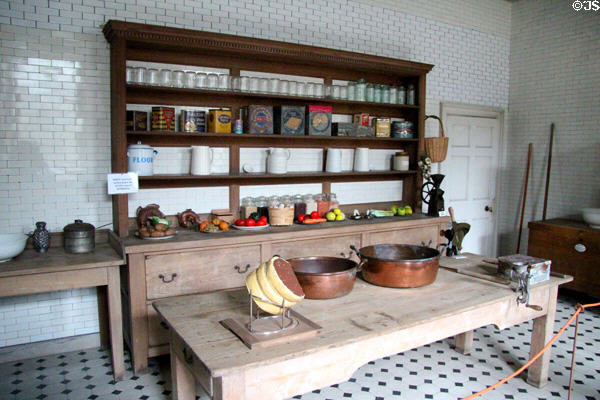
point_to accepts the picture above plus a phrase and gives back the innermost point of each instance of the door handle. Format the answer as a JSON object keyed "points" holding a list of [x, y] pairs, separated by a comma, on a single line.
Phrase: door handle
{"points": [[488, 209]]}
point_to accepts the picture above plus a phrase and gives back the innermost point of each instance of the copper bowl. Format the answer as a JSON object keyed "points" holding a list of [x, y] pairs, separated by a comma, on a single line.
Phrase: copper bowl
{"points": [[324, 277], [398, 265]]}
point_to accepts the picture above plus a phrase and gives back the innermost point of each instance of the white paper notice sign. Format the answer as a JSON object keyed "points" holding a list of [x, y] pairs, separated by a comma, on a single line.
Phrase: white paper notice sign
{"points": [[123, 183]]}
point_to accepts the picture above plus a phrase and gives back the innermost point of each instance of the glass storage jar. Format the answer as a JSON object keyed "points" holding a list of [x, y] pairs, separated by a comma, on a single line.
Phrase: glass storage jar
{"points": [[411, 95], [393, 94], [361, 90], [377, 93], [385, 94], [178, 78], [322, 203], [351, 91], [299, 206], [311, 203], [262, 206], [370, 92], [401, 94], [248, 207], [333, 201]]}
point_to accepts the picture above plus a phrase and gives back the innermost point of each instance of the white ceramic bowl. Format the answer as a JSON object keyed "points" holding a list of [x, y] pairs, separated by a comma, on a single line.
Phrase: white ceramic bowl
{"points": [[11, 245], [592, 217]]}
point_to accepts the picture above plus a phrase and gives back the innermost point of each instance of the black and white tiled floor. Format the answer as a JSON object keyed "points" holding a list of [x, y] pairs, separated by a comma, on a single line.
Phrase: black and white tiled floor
{"points": [[434, 371]]}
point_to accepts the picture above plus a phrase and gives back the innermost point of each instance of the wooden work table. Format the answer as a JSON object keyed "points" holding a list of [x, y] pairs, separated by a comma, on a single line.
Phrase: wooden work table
{"points": [[32, 272], [369, 323]]}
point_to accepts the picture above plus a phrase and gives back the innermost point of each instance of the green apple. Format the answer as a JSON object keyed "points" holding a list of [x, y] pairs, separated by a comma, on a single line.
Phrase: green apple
{"points": [[330, 216], [340, 217], [400, 211], [408, 210], [394, 209], [337, 211]]}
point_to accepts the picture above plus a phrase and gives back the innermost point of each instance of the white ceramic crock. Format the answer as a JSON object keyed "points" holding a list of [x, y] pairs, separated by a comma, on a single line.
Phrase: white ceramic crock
{"points": [[140, 159], [277, 160]]}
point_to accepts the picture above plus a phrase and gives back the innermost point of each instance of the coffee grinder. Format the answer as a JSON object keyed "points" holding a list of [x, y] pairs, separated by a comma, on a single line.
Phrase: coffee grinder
{"points": [[432, 195]]}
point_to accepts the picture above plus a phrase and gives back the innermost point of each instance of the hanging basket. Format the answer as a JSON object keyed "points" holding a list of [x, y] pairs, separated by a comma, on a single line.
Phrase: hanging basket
{"points": [[436, 147]]}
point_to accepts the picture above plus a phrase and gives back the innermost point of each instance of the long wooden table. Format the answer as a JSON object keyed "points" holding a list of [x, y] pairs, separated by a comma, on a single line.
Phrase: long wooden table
{"points": [[369, 323], [32, 272]]}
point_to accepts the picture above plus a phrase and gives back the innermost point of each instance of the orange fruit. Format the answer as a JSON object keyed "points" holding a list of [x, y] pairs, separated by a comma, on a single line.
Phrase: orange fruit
{"points": [[203, 225], [216, 221], [223, 226]]}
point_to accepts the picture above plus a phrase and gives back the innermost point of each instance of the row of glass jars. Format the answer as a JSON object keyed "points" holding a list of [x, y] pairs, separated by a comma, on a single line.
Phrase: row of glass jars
{"points": [[371, 92], [302, 204]]}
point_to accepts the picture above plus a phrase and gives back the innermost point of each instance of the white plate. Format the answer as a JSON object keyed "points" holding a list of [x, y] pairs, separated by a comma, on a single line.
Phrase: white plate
{"points": [[155, 238], [251, 228]]}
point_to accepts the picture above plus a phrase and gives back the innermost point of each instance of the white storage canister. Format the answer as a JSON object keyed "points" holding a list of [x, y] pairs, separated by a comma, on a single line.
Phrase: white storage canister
{"points": [[140, 159]]}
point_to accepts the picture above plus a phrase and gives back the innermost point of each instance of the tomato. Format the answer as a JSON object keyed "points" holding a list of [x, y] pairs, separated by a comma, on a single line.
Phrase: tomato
{"points": [[301, 218], [315, 215], [240, 222], [263, 218], [250, 222], [261, 222]]}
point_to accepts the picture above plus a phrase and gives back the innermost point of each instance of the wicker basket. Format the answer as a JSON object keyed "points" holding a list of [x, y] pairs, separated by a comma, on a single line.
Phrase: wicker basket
{"points": [[281, 216], [436, 148]]}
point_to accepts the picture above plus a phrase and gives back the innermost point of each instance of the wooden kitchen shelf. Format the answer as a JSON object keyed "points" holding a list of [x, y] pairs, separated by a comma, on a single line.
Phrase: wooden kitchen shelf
{"points": [[173, 180], [160, 44], [184, 139]]}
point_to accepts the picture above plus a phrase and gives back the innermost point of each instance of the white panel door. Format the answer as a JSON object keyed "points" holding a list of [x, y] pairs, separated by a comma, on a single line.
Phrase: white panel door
{"points": [[471, 169]]}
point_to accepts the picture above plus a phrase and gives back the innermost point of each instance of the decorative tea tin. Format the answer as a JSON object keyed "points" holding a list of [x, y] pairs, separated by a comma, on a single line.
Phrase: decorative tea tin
{"points": [[319, 120], [136, 121], [192, 121], [163, 119], [219, 121], [260, 119], [289, 120]]}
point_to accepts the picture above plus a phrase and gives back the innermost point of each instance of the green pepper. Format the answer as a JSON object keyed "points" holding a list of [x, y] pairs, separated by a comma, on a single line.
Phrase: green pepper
{"points": [[157, 220], [255, 216]]}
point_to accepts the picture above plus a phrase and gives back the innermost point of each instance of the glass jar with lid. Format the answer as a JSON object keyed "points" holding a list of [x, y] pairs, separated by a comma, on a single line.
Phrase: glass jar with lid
{"points": [[351, 91], [411, 95], [385, 94], [322, 203], [262, 206], [311, 203], [393, 94], [286, 201], [361, 90], [401, 94], [333, 201], [370, 92], [299, 206], [248, 207], [273, 201], [377, 93]]}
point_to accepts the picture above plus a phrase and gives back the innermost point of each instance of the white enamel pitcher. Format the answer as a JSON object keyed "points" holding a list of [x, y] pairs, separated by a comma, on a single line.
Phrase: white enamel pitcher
{"points": [[277, 160], [202, 157]]}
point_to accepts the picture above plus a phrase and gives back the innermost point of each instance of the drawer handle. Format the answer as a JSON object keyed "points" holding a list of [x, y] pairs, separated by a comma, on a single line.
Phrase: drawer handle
{"points": [[164, 325], [427, 245], [580, 248], [240, 270], [187, 356], [162, 277]]}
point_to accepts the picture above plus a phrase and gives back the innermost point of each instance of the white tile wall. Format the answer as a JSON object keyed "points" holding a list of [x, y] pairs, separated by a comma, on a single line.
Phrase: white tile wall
{"points": [[555, 54], [54, 93]]}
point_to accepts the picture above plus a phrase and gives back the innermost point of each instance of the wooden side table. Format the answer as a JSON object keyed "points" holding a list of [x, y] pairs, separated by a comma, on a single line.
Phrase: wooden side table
{"points": [[32, 272]]}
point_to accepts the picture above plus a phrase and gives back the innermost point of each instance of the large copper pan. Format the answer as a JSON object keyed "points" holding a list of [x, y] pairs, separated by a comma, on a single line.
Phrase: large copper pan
{"points": [[324, 277], [398, 265]]}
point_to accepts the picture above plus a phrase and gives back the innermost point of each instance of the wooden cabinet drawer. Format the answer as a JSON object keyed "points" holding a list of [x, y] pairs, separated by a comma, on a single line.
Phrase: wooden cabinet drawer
{"points": [[158, 331], [199, 271], [325, 246], [416, 236]]}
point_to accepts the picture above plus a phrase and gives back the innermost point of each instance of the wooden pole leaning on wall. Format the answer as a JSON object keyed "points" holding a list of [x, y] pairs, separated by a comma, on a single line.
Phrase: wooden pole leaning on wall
{"points": [[524, 196], [548, 171]]}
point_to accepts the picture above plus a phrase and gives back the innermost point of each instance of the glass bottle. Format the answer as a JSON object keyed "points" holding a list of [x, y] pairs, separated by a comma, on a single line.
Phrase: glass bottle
{"points": [[322, 203], [377, 89], [351, 91], [411, 95], [248, 207], [370, 92], [262, 207], [393, 95], [311, 203], [299, 206], [401, 95], [361, 90]]}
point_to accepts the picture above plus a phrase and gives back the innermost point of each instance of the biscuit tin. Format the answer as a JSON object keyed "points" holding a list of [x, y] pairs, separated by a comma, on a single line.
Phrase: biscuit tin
{"points": [[319, 120], [163, 119], [289, 120], [219, 121]]}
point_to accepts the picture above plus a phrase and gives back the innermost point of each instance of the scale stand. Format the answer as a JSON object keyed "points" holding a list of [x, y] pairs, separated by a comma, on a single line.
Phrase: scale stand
{"points": [[263, 331]]}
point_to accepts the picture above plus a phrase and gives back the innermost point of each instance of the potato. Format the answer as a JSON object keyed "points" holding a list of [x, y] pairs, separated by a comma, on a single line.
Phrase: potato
{"points": [[161, 227]]}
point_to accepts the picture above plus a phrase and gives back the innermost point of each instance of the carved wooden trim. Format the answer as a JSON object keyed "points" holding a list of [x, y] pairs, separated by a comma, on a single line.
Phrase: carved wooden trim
{"points": [[139, 35]]}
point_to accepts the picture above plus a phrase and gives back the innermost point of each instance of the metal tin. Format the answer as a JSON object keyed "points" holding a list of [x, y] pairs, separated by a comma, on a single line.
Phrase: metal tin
{"points": [[319, 120], [260, 119], [289, 120], [137, 121], [238, 126], [402, 129], [79, 237], [382, 127], [361, 119], [192, 121], [163, 119], [219, 121]]}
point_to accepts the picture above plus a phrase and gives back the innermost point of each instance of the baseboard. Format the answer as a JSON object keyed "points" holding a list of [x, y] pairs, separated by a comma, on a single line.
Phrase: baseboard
{"points": [[49, 347]]}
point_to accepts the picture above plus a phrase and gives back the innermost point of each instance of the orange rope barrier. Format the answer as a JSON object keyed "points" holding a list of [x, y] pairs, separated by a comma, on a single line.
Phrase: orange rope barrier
{"points": [[538, 355]]}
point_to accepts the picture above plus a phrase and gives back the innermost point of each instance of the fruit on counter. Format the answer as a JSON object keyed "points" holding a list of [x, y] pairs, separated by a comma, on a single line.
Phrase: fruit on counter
{"points": [[250, 222], [261, 222], [314, 220], [337, 211], [340, 217], [223, 226], [315, 215], [257, 294], [394, 209], [301, 218], [330, 216], [263, 218], [400, 211], [240, 222], [255, 216], [203, 225], [408, 210], [282, 277], [215, 221], [268, 288]]}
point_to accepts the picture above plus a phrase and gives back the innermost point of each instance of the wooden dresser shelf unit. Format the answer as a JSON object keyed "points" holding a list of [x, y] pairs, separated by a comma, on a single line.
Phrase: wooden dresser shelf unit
{"points": [[148, 43], [197, 262], [574, 249]]}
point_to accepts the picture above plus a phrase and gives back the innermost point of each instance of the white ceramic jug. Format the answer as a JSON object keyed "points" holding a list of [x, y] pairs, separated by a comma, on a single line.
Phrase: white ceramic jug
{"points": [[361, 159], [277, 160], [202, 157], [140, 159], [334, 160]]}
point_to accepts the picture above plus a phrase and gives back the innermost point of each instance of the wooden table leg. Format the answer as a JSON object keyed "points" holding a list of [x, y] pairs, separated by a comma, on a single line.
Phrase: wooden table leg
{"points": [[184, 384], [543, 327], [101, 292], [115, 321], [464, 342], [229, 387]]}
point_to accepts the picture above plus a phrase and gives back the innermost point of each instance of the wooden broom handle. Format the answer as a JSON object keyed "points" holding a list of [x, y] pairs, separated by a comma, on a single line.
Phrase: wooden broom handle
{"points": [[524, 196]]}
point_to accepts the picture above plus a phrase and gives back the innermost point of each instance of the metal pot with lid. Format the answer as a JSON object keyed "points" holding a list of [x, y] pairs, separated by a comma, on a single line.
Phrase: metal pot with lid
{"points": [[79, 237]]}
